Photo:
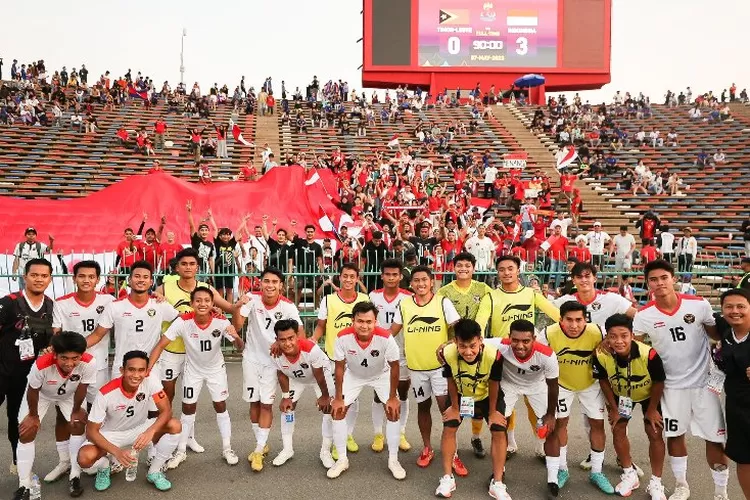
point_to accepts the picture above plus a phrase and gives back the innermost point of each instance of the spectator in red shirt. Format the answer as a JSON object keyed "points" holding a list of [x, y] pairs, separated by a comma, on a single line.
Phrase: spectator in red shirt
{"points": [[155, 168], [128, 251], [169, 249], [581, 251], [160, 128], [557, 252], [648, 252], [567, 183], [270, 102], [248, 172]]}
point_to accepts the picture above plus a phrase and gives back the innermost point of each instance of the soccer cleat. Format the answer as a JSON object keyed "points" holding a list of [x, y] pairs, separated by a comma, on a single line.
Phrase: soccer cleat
{"points": [[59, 471], [562, 477], [403, 444], [600, 481], [283, 457], [75, 489], [266, 450], [586, 464], [115, 467], [721, 497], [351, 444], [378, 443], [102, 481], [656, 490], [338, 468], [193, 445], [159, 480], [256, 461], [459, 468], [22, 493], [511, 450], [553, 490], [628, 483], [681, 492], [638, 470], [499, 491], [177, 458], [446, 487], [478, 447], [230, 457], [395, 467], [426, 457], [327, 459]]}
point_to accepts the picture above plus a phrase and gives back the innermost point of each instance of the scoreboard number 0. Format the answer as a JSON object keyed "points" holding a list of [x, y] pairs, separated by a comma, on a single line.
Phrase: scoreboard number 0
{"points": [[454, 45]]}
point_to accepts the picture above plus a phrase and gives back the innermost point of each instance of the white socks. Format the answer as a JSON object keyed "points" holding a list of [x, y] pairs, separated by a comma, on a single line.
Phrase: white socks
{"points": [[378, 415], [262, 437], [404, 417], [553, 467], [225, 429], [25, 462], [287, 431], [74, 445], [563, 458], [351, 418], [679, 469], [597, 460], [721, 479], [255, 431], [327, 433], [393, 436], [188, 422], [164, 449], [339, 437], [512, 438], [102, 463], [63, 450]]}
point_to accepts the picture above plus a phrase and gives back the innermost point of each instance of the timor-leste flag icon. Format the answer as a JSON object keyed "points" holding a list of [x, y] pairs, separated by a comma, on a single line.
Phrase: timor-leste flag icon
{"points": [[454, 16]]}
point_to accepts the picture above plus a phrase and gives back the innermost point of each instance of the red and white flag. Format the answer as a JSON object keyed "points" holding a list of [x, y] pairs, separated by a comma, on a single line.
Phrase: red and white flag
{"points": [[566, 156], [237, 134], [312, 177], [393, 143]]}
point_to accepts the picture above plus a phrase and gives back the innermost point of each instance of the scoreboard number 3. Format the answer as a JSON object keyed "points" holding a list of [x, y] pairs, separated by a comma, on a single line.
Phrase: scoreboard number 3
{"points": [[523, 45]]}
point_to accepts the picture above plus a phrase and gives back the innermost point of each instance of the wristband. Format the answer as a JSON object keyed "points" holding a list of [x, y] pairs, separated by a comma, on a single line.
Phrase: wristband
{"points": [[286, 395]]}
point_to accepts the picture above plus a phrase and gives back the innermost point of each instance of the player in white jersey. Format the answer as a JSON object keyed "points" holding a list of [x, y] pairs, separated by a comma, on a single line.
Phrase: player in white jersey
{"points": [[679, 327], [262, 311], [366, 356], [58, 379], [530, 370], [202, 332], [136, 319], [387, 300], [119, 426], [301, 364]]}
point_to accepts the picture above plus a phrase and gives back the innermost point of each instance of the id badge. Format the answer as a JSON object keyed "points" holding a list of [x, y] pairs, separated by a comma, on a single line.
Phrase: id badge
{"points": [[467, 407], [26, 349], [625, 407], [716, 379]]}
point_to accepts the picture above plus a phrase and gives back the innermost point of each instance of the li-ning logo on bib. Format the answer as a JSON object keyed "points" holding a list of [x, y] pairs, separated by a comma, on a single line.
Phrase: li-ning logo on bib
{"points": [[524, 312], [429, 325], [343, 320], [586, 355]]}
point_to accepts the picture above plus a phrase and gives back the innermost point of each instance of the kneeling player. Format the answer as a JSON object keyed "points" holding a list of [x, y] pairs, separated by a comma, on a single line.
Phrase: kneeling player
{"points": [[366, 355], [202, 332], [119, 424], [301, 364], [633, 375], [60, 380], [474, 371]]}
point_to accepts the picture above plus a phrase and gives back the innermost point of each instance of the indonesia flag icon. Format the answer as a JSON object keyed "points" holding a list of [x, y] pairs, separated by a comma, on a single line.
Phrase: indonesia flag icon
{"points": [[523, 18]]}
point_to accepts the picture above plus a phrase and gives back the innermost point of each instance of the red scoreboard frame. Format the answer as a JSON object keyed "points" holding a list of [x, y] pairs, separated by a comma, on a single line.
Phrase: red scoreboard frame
{"points": [[583, 55]]}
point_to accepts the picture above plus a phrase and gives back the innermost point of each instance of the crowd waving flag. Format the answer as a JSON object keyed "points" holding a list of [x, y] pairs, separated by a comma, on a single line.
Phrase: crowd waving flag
{"points": [[566, 156], [393, 143], [133, 92], [237, 134]]}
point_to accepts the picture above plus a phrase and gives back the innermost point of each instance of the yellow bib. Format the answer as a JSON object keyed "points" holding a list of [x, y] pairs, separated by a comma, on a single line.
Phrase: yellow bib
{"points": [[424, 330], [639, 382], [339, 317], [472, 379], [574, 355], [180, 300]]}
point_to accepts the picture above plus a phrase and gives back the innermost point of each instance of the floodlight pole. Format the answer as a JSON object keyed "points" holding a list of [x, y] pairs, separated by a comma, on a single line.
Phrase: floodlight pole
{"points": [[182, 56]]}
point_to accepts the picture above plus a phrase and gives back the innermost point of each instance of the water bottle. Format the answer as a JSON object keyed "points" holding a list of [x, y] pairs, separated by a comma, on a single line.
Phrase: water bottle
{"points": [[132, 471], [35, 490], [541, 429]]}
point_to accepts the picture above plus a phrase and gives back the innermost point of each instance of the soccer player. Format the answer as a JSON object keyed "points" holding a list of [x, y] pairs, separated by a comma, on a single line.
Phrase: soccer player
{"points": [[425, 319], [473, 372], [387, 300], [632, 374], [531, 371], [679, 327], [574, 340], [335, 314], [202, 331], [262, 311], [59, 380], [119, 425], [466, 294], [301, 364], [366, 356]]}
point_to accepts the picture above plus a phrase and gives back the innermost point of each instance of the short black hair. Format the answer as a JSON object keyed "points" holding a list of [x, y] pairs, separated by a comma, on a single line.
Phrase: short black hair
{"points": [[187, 252], [68, 342], [618, 320], [349, 265], [511, 258], [522, 325], [572, 306], [421, 269], [656, 265], [464, 257], [273, 270], [582, 267], [134, 355], [201, 289], [142, 264], [364, 307], [37, 262], [392, 264], [467, 329], [88, 264], [742, 292], [309, 226], [285, 324]]}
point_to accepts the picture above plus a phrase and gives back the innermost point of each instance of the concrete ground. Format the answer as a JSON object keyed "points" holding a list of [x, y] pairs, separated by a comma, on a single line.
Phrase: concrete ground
{"points": [[208, 476]]}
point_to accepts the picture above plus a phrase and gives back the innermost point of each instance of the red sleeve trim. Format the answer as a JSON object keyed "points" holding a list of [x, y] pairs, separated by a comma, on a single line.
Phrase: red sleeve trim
{"points": [[45, 361], [111, 386], [651, 354], [65, 297], [306, 345], [543, 349], [647, 305], [381, 332], [346, 331], [187, 316], [86, 358]]}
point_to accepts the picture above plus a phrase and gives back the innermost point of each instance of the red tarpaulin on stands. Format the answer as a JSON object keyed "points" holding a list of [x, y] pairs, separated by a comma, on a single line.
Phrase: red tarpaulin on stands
{"points": [[96, 223]]}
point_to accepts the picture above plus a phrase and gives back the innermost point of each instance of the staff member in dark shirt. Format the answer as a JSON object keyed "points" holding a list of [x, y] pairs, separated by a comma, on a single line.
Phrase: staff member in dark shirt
{"points": [[734, 360], [25, 329]]}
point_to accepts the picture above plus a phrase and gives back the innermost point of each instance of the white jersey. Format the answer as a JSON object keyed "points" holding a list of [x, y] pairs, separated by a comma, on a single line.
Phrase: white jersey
{"points": [[117, 410], [53, 385], [136, 328], [261, 320], [366, 362], [680, 339], [202, 343], [601, 308], [531, 372], [387, 310], [301, 369], [71, 315]]}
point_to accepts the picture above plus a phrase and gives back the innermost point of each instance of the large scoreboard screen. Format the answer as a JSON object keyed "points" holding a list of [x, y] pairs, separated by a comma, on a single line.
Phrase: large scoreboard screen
{"points": [[471, 33]]}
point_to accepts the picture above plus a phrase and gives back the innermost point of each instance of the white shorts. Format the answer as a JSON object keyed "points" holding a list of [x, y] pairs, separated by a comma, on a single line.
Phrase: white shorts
{"points": [[591, 400], [426, 384], [698, 409], [124, 439], [66, 407], [171, 365], [297, 388], [403, 371], [352, 386], [102, 377], [536, 395], [193, 380], [260, 382]]}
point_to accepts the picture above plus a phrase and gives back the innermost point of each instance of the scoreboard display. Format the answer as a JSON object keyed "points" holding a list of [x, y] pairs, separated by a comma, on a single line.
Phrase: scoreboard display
{"points": [[472, 33]]}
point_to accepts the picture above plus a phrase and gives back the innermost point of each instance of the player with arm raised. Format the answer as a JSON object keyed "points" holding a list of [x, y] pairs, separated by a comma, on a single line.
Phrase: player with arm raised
{"points": [[387, 300], [202, 332], [301, 364], [366, 356], [679, 327], [119, 425], [262, 311]]}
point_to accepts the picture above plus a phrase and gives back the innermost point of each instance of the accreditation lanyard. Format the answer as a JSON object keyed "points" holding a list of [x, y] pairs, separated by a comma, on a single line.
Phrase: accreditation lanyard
{"points": [[625, 403]]}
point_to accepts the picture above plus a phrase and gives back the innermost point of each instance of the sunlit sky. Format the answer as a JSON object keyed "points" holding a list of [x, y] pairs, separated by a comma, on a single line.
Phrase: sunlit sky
{"points": [[656, 44]]}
